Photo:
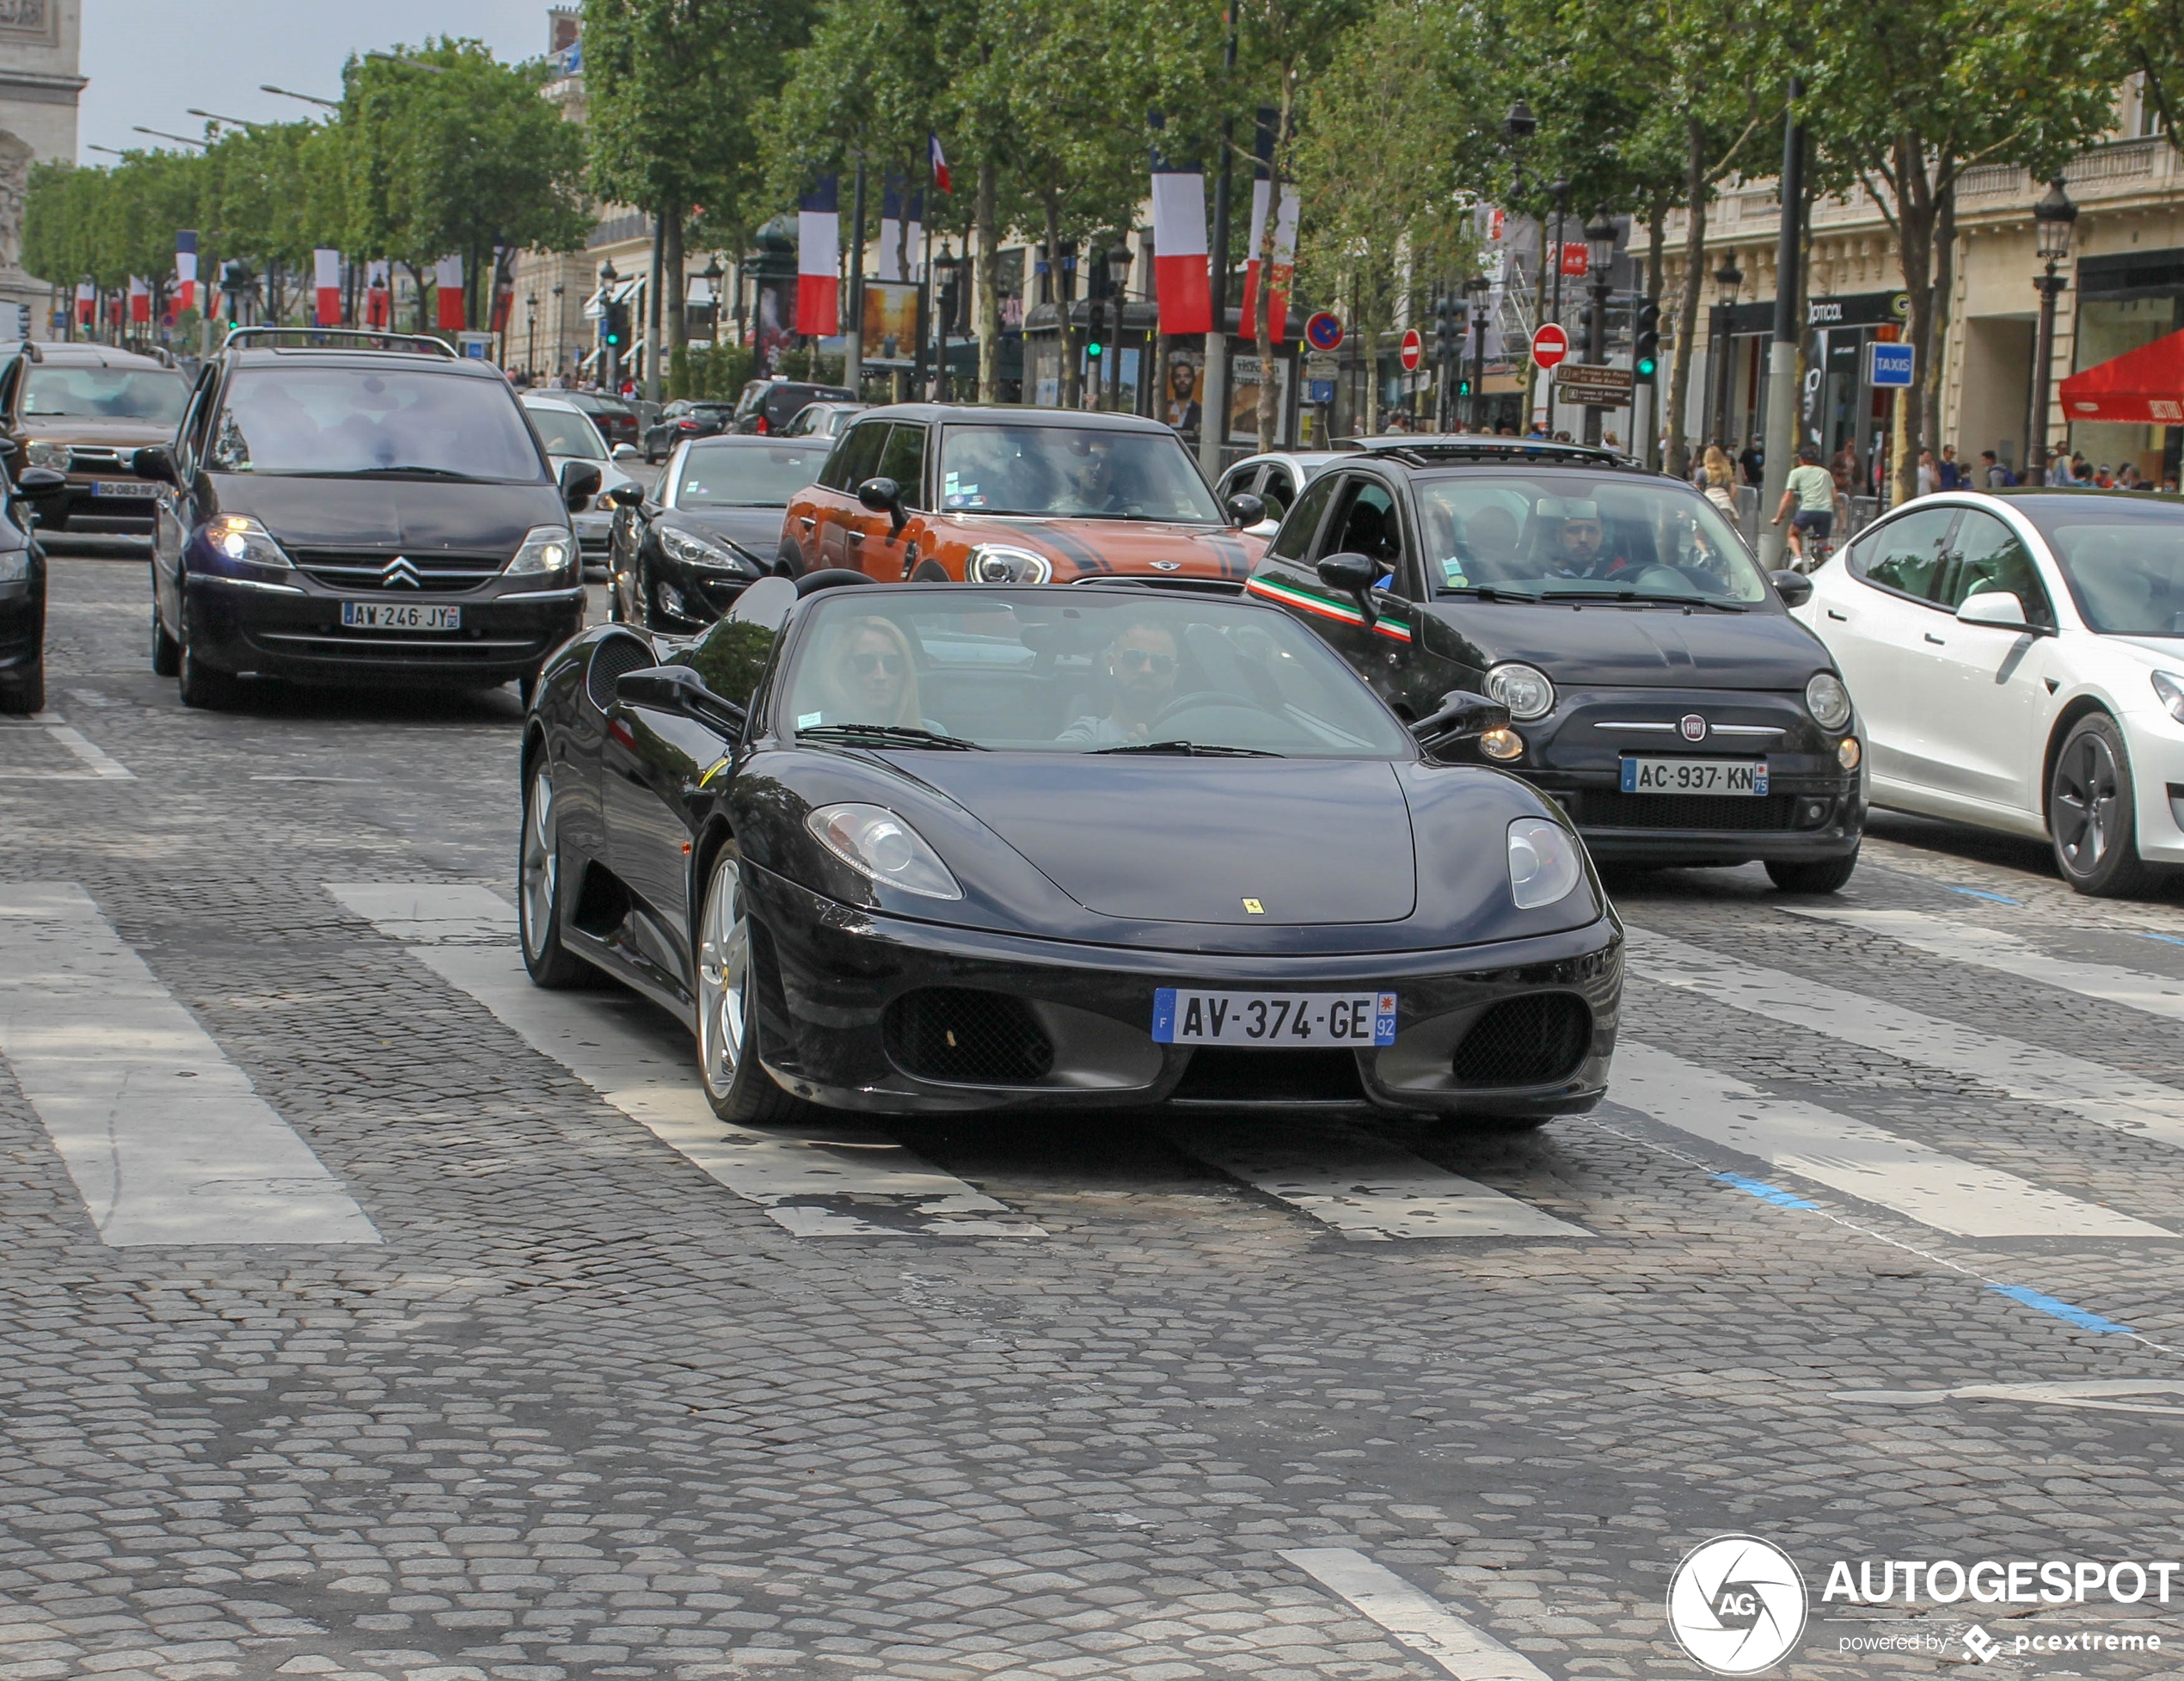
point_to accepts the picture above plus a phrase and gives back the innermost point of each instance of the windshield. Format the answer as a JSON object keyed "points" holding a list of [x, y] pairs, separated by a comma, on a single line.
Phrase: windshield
{"points": [[2123, 559], [752, 475], [403, 423], [153, 395], [565, 432], [1567, 533], [1060, 470], [1061, 671]]}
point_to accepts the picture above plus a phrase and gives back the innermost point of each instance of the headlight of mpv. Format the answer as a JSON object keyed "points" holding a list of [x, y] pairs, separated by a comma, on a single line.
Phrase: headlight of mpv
{"points": [[14, 565], [44, 452], [546, 549], [1828, 701], [239, 539]]}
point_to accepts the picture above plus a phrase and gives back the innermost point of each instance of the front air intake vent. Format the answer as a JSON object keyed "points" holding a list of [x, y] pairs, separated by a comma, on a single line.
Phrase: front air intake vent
{"points": [[1535, 1040], [967, 1038], [613, 658]]}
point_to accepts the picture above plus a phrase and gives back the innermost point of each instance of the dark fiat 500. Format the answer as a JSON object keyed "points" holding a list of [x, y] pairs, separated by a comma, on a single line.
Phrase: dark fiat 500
{"points": [[1656, 685]]}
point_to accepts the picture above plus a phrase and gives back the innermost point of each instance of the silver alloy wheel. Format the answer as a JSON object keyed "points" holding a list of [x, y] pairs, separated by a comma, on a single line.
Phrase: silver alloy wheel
{"points": [[723, 971], [2086, 788], [541, 863]]}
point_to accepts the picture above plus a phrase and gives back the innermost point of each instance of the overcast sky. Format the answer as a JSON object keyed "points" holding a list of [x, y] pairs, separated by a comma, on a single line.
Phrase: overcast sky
{"points": [[151, 60]]}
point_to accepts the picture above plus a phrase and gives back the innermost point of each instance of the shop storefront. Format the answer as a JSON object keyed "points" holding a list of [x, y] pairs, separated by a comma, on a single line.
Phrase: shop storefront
{"points": [[1844, 417], [2126, 302]]}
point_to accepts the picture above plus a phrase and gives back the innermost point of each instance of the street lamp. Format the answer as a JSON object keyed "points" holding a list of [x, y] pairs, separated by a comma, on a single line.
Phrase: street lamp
{"points": [[1727, 278], [944, 267], [1599, 258], [1119, 288], [2054, 218], [559, 289], [1518, 127], [1477, 287], [530, 334]]}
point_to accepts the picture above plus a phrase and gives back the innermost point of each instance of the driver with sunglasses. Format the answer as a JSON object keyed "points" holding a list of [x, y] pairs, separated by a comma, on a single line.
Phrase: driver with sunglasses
{"points": [[1141, 675]]}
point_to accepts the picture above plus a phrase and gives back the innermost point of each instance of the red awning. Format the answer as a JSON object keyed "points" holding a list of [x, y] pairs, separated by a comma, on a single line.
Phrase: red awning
{"points": [[2145, 385]]}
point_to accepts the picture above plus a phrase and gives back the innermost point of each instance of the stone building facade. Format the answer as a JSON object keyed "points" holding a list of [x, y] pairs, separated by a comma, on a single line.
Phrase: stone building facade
{"points": [[38, 89]]}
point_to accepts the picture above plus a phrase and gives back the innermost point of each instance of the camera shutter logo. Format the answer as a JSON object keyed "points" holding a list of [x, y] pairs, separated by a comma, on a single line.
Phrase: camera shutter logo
{"points": [[1737, 1605]]}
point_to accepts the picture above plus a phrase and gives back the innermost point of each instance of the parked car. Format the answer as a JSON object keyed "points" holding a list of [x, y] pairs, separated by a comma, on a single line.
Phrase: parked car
{"points": [[618, 419], [686, 417], [681, 557], [1276, 479], [2018, 661], [568, 435], [958, 850], [823, 419], [22, 586], [1657, 686], [357, 507], [1017, 495], [81, 409], [769, 405]]}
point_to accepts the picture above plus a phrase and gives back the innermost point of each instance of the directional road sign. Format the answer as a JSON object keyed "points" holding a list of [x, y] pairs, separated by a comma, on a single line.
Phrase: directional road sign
{"points": [[1412, 350], [1550, 345], [1592, 384]]}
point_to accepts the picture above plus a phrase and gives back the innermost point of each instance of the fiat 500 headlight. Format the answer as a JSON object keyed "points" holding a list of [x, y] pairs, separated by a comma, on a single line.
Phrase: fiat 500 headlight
{"points": [[690, 549], [873, 841], [1543, 865], [546, 549], [44, 452], [238, 537], [1828, 701], [998, 563], [1524, 689]]}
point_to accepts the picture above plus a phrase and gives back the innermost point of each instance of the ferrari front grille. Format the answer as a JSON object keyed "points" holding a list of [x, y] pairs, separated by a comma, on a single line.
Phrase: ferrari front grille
{"points": [[962, 1037], [1534, 1040]]}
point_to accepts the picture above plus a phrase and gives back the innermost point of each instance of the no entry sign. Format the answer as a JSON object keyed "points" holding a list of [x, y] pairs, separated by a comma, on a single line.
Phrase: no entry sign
{"points": [[1550, 345], [1412, 350]]}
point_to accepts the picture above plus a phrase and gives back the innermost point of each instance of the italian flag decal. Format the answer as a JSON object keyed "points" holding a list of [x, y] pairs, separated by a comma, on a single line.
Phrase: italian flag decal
{"points": [[1288, 595]]}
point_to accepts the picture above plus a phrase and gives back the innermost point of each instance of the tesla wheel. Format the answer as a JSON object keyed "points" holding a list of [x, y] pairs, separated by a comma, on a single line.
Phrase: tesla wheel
{"points": [[166, 652], [202, 686], [738, 1088], [2091, 815], [27, 694], [1820, 875], [538, 887]]}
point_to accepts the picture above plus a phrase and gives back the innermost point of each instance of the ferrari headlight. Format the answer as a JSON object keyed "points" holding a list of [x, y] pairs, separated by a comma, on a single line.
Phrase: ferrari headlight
{"points": [[998, 563], [1543, 864], [545, 549], [238, 537], [14, 565], [1523, 689], [1828, 701], [2171, 689], [690, 549], [873, 841], [44, 452]]}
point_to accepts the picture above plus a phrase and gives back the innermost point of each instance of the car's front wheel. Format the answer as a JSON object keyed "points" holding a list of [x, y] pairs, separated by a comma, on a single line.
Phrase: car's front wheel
{"points": [[2091, 815], [1819, 875], [166, 652], [198, 684], [538, 885], [737, 1087], [27, 694]]}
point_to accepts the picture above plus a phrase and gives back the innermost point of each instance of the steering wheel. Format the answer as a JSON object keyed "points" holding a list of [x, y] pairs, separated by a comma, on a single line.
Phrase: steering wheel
{"points": [[1197, 698], [1659, 576]]}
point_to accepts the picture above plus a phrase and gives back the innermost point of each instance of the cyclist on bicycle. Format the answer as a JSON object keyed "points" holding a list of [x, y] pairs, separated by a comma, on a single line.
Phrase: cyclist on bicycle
{"points": [[1811, 487]]}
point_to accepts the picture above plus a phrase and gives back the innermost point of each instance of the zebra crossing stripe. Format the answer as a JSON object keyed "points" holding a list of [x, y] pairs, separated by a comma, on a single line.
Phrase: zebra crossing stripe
{"points": [[1412, 1616]]}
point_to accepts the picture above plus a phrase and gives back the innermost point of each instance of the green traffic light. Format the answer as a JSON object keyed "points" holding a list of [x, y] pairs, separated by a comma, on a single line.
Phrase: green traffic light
{"points": [[1647, 367], [1092, 350]]}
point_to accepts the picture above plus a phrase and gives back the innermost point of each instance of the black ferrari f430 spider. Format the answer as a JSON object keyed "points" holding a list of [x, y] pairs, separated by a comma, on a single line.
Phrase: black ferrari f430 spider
{"points": [[936, 848]]}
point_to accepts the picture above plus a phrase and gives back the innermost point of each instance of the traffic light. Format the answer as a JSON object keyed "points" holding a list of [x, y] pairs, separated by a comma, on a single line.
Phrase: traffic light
{"points": [[1645, 360], [614, 326], [1093, 348], [1448, 332]]}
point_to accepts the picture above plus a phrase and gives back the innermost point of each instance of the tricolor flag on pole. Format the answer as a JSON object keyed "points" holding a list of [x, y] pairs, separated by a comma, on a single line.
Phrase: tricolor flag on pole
{"points": [[914, 237], [890, 265], [1263, 159], [1284, 261], [186, 269], [377, 296], [819, 259], [86, 302], [447, 278], [140, 301], [1179, 278], [940, 161], [326, 277]]}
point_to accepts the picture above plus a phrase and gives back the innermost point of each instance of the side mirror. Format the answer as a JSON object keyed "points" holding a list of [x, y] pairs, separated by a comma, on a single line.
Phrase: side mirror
{"points": [[9, 449], [1795, 587], [1461, 717], [1354, 575], [627, 494], [1246, 509], [625, 452], [39, 482], [679, 688], [885, 496], [580, 484], [1998, 610], [154, 461]]}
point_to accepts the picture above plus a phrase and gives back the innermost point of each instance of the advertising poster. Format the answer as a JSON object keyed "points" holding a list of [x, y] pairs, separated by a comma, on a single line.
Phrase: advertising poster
{"points": [[1244, 399], [890, 322], [1181, 403]]}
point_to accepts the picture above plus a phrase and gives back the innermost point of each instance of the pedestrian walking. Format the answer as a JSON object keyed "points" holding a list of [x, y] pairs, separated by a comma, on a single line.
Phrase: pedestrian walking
{"points": [[1951, 471], [1930, 474], [1753, 461], [1717, 477]]}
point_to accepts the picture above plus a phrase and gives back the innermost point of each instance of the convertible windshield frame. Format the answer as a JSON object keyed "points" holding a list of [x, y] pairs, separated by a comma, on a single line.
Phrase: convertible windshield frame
{"points": [[2109, 548], [754, 450], [1080, 672], [1030, 471]]}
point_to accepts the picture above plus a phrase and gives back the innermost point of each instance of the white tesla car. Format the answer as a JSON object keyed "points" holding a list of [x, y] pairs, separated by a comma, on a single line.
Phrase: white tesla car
{"points": [[2018, 662]]}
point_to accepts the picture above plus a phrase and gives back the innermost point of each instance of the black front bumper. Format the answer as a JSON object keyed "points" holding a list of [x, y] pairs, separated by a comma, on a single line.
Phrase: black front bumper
{"points": [[834, 981], [22, 626], [253, 629]]}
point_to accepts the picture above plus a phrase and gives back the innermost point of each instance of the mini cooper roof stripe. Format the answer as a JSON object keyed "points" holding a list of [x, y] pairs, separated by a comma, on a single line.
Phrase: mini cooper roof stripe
{"points": [[1393, 629]]}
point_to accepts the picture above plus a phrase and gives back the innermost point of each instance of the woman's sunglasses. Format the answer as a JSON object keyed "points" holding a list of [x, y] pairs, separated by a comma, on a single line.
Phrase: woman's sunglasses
{"points": [[866, 664]]}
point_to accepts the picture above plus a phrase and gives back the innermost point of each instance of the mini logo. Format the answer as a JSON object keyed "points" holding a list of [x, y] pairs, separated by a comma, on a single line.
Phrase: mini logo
{"points": [[1168, 566], [1737, 1605], [1981, 1644], [1253, 907], [1692, 726], [399, 571]]}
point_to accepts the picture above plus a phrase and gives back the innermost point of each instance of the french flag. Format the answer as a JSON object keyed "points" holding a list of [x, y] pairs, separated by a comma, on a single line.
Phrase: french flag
{"points": [[447, 279], [186, 269], [326, 277], [890, 268], [819, 259], [1263, 159], [1285, 266], [140, 301], [941, 177], [86, 302], [378, 297], [1179, 278]]}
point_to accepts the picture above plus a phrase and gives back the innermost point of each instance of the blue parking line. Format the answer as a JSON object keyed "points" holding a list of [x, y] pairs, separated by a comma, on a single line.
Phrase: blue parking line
{"points": [[2063, 1310], [2166, 939], [1765, 1192], [1997, 899]]}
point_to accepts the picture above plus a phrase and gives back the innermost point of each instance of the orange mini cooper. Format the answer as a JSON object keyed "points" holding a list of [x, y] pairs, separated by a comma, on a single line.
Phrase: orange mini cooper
{"points": [[994, 495]]}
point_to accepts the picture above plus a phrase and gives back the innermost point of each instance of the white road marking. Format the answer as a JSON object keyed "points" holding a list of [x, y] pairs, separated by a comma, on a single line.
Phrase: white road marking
{"points": [[1853, 1157], [2145, 1108], [163, 1136], [1368, 1190], [1996, 948], [98, 767], [822, 1181], [1412, 1616], [2118, 1394]]}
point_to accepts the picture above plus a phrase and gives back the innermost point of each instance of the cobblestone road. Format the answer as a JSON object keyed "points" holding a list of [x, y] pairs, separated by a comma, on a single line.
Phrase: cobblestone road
{"points": [[1875, 1255]]}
